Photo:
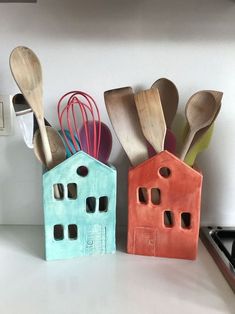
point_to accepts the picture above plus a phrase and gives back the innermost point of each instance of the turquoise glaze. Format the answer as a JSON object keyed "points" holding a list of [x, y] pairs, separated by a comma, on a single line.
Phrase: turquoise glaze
{"points": [[69, 139], [77, 226]]}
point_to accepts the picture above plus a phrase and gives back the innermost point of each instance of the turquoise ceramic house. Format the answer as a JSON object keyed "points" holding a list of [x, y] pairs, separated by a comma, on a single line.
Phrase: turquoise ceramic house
{"points": [[79, 198]]}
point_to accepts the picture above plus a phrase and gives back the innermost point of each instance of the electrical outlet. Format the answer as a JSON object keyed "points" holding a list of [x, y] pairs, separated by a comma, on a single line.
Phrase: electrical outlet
{"points": [[6, 115]]}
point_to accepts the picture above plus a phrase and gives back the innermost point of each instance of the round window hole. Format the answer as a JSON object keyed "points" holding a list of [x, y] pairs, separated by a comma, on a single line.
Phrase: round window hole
{"points": [[82, 171], [165, 172]]}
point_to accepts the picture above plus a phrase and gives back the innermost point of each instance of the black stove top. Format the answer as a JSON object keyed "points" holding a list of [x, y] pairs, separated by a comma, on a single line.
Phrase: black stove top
{"points": [[220, 242]]}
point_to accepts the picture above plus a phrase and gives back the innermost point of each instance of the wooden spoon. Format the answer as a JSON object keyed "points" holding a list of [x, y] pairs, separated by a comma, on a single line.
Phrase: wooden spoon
{"points": [[56, 146], [200, 145], [169, 98], [149, 108], [26, 70], [201, 110], [120, 105], [218, 98], [57, 149], [203, 137]]}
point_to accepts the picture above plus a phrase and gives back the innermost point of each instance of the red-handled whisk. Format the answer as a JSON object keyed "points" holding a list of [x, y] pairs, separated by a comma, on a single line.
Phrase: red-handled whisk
{"points": [[74, 105]]}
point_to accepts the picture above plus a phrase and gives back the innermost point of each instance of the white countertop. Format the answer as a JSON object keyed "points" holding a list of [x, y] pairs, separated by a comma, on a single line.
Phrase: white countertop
{"points": [[108, 284]]}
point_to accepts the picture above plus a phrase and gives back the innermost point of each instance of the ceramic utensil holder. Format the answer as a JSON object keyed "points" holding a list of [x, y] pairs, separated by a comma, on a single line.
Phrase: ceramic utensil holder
{"points": [[164, 197], [81, 221]]}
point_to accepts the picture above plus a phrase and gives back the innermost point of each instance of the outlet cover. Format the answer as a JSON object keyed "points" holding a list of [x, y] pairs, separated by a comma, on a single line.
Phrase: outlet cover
{"points": [[6, 115]]}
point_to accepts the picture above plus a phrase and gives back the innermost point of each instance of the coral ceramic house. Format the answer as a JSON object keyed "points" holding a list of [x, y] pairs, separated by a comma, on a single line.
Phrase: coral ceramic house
{"points": [[82, 220], [164, 208]]}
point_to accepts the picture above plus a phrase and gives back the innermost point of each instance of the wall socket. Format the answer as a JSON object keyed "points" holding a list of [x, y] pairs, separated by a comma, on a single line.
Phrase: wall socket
{"points": [[6, 115]]}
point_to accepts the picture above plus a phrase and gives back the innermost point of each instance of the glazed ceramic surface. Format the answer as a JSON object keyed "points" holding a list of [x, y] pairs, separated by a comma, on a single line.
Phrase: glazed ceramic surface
{"points": [[82, 221], [172, 189]]}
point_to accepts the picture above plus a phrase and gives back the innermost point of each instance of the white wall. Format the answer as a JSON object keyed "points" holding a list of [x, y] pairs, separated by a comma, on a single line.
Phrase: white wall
{"points": [[99, 45]]}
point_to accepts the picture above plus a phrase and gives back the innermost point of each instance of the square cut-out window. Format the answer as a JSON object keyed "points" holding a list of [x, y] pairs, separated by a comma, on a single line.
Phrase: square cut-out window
{"points": [[155, 196], [72, 191], [58, 191], [143, 195], [168, 218], [58, 232], [103, 204], [186, 220], [73, 232], [90, 204]]}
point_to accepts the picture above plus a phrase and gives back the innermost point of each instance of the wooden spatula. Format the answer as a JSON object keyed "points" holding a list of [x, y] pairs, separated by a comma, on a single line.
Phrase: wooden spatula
{"points": [[148, 104], [122, 112], [149, 108]]}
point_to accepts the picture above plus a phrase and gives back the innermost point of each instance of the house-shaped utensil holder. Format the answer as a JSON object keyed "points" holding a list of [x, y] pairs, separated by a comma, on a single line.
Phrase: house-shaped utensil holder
{"points": [[164, 197], [80, 217]]}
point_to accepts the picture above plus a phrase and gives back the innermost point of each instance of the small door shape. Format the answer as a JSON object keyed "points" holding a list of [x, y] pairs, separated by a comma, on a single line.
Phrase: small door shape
{"points": [[145, 241], [95, 240]]}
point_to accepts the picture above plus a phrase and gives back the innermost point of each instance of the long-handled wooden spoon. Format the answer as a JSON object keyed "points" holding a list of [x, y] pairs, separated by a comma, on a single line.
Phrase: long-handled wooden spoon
{"points": [[169, 98], [56, 145], [203, 137], [27, 72], [149, 108], [200, 145], [201, 110], [122, 112], [218, 98]]}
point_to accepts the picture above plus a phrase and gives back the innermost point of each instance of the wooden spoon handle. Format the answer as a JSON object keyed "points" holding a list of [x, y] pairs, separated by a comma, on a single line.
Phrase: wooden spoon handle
{"points": [[57, 192], [45, 143], [187, 143]]}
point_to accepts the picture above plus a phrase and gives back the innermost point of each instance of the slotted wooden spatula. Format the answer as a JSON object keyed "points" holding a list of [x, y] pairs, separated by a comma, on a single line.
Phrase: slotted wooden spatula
{"points": [[148, 104], [120, 105]]}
